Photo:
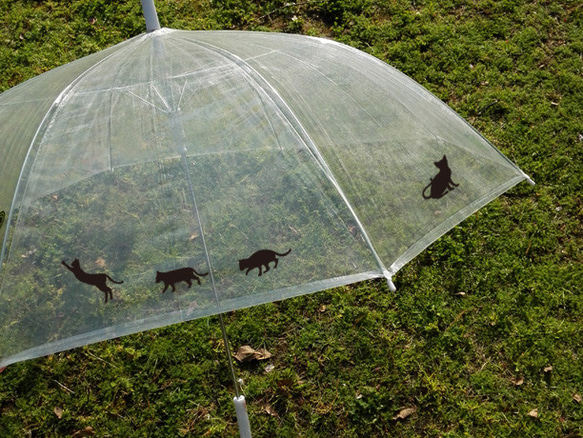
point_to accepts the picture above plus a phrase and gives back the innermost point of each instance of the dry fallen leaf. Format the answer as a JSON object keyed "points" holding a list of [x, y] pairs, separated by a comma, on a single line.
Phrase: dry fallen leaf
{"points": [[193, 236], [533, 413], [270, 411], [548, 369], [192, 306], [88, 431], [577, 398], [404, 413], [58, 411], [246, 354], [269, 368], [517, 381], [100, 262]]}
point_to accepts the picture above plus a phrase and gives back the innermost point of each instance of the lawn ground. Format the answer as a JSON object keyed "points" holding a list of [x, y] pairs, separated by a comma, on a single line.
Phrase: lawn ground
{"points": [[484, 336]]}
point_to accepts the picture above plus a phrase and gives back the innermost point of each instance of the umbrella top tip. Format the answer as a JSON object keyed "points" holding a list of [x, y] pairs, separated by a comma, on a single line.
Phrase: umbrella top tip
{"points": [[150, 15]]}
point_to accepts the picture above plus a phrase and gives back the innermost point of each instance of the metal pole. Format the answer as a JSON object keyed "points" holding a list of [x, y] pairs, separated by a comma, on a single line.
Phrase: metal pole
{"points": [[239, 400], [229, 357], [150, 15]]}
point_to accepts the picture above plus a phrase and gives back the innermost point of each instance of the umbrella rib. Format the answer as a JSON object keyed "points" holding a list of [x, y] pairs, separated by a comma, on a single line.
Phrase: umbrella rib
{"points": [[147, 102], [161, 98], [181, 95], [295, 124]]}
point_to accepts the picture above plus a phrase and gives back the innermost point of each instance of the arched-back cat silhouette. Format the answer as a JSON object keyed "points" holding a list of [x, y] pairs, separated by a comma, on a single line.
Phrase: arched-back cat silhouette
{"points": [[170, 278], [97, 280], [441, 183], [261, 258]]}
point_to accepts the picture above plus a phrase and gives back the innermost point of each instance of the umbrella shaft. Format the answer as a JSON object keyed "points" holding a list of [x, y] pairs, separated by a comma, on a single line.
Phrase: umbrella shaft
{"points": [[229, 356]]}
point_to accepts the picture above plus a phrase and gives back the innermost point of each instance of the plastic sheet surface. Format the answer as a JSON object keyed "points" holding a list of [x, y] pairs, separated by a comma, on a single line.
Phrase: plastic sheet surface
{"points": [[181, 174]]}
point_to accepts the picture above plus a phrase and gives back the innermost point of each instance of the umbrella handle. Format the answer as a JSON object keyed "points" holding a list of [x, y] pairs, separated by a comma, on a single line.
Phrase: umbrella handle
{"points": [[242, 417]]}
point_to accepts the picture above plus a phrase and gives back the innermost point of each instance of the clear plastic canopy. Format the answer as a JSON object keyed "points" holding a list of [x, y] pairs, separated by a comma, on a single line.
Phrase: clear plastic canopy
{"points": [[181, 174]]}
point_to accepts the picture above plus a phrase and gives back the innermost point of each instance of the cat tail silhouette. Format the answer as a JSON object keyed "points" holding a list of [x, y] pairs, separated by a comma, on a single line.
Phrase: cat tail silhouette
{"points": [[433, 195], [198, 273], [428, 186], [284, 254], [112, 280]]}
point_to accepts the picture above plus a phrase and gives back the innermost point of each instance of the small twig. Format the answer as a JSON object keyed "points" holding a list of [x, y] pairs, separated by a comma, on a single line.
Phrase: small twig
{"points": [[486, 107], [64, 387], [98, 358], [528, 248], [484, 364], [457, 318]]}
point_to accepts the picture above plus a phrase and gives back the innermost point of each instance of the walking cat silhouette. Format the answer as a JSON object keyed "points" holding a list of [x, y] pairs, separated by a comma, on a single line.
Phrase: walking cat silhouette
{"points": [[261, 258], [97, 280], [441, 183], [170, 278]]}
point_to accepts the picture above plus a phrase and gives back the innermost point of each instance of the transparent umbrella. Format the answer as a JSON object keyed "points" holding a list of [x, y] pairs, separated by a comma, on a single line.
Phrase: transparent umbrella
{"points": [[182, 174]]}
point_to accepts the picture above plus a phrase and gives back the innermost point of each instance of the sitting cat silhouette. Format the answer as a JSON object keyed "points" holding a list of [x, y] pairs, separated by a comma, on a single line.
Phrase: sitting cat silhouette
{"points": [[261, 258], [441, 183], [97, 280], [170, 278]]}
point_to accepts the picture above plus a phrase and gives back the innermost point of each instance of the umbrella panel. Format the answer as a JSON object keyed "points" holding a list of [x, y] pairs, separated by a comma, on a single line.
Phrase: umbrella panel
{"points": [[137, 220]]}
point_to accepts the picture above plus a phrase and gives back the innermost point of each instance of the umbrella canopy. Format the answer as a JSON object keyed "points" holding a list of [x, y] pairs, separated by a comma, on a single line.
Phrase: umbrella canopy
{"points": [[182, 174]]}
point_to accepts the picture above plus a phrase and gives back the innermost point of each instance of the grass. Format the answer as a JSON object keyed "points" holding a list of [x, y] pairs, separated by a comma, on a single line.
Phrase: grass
{"points": [[480, 317]]}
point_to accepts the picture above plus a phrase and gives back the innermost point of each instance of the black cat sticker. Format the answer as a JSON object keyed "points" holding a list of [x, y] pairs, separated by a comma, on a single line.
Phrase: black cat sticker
{"points": [[97, 280], [260, 259], [441, 184], [170, 278]]}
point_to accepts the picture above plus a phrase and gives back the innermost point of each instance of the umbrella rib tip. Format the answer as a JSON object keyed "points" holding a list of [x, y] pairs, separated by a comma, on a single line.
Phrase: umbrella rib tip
{"points": [[390, 283]]}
